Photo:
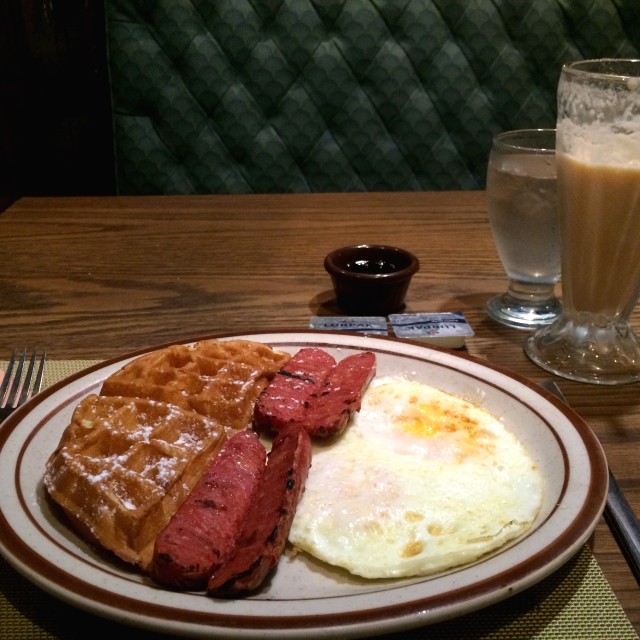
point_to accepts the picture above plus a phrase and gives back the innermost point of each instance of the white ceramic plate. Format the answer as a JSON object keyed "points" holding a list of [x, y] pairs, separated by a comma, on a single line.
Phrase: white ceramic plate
{"points": [[306, 598]]}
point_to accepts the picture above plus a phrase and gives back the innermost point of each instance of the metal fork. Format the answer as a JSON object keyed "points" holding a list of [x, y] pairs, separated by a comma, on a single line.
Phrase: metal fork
{"points": [[16, 389]]}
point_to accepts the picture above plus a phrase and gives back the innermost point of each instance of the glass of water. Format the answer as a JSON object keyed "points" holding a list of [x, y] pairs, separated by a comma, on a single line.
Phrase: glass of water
{"points": [[521, 199]]}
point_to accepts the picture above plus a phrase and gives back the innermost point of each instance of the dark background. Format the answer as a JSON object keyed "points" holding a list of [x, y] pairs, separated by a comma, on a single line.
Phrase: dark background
{"points": [[55, 116]]}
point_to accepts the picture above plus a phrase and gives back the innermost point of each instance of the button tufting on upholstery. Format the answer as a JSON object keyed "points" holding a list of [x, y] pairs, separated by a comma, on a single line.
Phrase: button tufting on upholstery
{"points": [[228, 96]]}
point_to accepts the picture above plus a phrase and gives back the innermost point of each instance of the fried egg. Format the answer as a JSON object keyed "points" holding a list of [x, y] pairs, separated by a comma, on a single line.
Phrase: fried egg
{"points": [[420, 482]]}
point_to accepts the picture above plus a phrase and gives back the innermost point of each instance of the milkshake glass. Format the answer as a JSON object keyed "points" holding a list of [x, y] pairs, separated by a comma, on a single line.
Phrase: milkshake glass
{"points": [[598, 184]]}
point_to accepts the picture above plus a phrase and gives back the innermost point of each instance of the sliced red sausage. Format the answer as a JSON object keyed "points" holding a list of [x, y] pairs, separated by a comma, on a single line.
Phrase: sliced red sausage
{"points": [[283, 402], [329, 412], [266, 528], [320, 397], [204, 532]]}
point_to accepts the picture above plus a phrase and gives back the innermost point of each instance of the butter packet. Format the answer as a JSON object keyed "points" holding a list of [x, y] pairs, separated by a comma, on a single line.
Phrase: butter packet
{"points": [[441, 329], [376, 325]]}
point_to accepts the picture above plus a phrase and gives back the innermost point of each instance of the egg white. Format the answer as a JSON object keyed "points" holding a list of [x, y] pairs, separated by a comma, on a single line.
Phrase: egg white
{"points": [[421, 481]]}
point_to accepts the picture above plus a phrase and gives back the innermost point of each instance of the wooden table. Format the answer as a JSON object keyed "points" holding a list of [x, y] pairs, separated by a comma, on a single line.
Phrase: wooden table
{"points": [[98, 277]]}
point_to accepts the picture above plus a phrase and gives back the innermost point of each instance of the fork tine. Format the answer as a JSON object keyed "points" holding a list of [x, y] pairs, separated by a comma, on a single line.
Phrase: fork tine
{"points": [[27, 391], [7, 378], [37, 385], [27, 379], [16, 380]]}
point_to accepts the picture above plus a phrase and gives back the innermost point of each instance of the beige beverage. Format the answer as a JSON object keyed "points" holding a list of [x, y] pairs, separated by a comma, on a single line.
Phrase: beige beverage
{"points": [[601, 217]]}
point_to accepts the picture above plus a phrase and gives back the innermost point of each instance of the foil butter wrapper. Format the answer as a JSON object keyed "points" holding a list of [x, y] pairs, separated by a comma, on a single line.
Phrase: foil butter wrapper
{"points": [[441, 329], [371, 325]]}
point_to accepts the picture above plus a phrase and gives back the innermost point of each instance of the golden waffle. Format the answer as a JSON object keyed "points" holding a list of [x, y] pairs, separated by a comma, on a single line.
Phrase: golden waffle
{"points": [[132, 454], [218, 379], [123, 467]]}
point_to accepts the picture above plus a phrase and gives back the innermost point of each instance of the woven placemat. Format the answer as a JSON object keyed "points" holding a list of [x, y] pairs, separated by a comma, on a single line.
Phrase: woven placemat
{"points": [[574, 603]]}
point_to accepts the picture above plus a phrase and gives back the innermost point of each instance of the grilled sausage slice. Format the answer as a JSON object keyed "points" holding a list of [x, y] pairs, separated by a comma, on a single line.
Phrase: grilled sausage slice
{"points": [[266, 528], [329, 412], [204, 531], [284, 401], [314, 393]]}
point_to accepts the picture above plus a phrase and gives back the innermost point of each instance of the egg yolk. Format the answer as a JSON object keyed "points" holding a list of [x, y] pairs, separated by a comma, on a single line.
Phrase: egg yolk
{"points": [[428, 420], [443, 428]]}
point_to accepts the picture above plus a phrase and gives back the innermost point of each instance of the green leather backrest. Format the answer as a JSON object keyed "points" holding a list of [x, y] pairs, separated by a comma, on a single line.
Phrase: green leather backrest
{"points": [[239, 96]]}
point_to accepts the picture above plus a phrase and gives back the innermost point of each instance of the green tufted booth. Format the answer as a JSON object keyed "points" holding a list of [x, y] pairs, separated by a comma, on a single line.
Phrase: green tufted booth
{"points": [[238, 96]]}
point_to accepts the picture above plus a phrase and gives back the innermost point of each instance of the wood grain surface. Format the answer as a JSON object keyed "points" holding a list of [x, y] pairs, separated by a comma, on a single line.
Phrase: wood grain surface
{"points": [[91, 277]]}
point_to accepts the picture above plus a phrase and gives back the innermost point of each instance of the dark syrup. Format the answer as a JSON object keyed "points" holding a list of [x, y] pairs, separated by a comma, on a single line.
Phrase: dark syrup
{"points": [[371, 266]]}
